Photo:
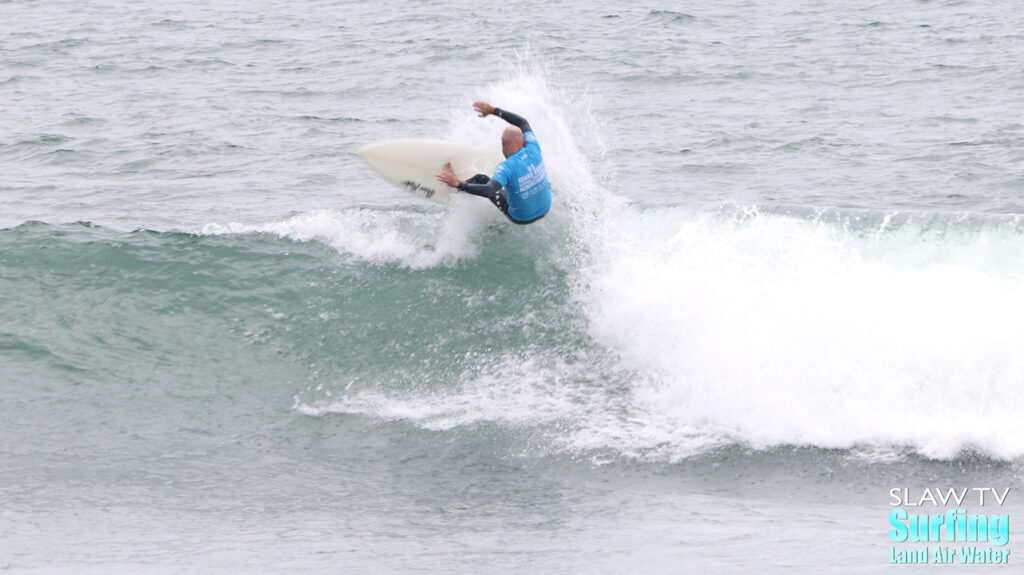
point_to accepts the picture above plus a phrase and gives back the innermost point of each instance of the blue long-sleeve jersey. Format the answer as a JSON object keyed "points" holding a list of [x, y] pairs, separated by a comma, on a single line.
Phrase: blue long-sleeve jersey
{"points": [[521, 178]]}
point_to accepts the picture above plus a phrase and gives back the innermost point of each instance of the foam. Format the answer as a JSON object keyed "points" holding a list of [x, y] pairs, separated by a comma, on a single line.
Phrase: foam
{"points": [[507, 390], [774, 330], [414, 239]]}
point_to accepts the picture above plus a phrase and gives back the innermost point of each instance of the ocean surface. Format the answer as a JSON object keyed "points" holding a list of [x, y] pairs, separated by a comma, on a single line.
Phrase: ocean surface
{"points": [[782, 275]]}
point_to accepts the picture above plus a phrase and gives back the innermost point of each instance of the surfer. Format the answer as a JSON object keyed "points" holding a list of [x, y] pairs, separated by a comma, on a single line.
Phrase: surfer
{"points": [[519, 187]]}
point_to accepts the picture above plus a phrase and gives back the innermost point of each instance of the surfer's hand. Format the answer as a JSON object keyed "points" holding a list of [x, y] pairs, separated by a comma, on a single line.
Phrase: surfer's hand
{"points": [[447, 176], [483, 108]]}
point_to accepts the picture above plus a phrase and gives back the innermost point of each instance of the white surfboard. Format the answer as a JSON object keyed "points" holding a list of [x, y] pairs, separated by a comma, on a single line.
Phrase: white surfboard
{"points": [[413, 164]]}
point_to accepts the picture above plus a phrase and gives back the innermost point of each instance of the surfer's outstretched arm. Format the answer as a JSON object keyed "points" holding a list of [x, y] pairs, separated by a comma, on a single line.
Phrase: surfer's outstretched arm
{"points": [[485, 109], [478, 185]]}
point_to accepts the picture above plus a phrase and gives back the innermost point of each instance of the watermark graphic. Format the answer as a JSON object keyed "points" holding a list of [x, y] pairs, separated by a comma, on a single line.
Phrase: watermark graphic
{"points": [[957, 526]]}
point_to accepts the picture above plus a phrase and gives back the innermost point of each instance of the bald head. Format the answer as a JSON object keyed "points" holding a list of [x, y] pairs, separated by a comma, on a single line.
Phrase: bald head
{"points": [[511, 141]]}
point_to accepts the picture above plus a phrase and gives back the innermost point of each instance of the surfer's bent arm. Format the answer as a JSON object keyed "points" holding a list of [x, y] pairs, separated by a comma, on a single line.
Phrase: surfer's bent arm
{"points": [[514, 119], [483, 190]]}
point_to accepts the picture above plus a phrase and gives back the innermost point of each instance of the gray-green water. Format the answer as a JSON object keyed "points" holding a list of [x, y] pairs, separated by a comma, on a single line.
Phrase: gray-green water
{"points": [[782, 275]]}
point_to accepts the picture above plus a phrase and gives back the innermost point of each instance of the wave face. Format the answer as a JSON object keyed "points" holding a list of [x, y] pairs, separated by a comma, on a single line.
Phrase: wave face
{"points": [[681, 332]]}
